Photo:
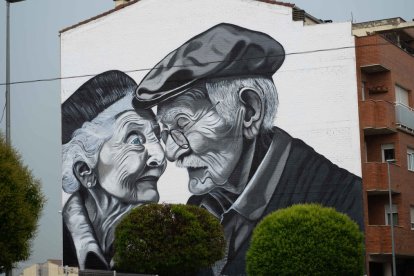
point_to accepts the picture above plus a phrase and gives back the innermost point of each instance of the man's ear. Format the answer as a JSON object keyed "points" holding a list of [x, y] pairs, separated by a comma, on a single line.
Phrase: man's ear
{"points": [[84, 174], [252, 103]]}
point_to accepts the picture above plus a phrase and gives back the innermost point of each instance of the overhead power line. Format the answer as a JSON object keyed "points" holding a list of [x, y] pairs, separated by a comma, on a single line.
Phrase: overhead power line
{"points": [[216, 61]]}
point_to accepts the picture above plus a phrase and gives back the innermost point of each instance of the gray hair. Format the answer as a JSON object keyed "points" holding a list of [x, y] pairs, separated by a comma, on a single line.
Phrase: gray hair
{"points": [[87, 141], [226, 90]]}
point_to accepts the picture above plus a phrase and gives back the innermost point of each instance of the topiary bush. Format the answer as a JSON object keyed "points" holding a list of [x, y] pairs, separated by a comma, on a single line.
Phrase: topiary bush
{"points": [[168, 239], [306, 239]]}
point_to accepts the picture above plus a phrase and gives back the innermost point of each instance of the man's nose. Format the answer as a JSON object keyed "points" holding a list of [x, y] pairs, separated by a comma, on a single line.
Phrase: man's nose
{"points": [[156, 156], [173, 151]]}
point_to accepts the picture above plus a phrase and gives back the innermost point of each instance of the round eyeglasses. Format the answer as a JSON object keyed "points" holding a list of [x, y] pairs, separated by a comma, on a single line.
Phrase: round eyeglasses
{"points": [[178, 136]]}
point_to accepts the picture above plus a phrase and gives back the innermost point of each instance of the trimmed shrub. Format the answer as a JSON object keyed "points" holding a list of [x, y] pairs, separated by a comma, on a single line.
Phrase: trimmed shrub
{"points": [[168, 239], [306, 239]]}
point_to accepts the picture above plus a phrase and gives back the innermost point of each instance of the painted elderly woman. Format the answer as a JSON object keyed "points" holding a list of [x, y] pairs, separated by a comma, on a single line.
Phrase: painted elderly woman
{"points": [[112, 160]]}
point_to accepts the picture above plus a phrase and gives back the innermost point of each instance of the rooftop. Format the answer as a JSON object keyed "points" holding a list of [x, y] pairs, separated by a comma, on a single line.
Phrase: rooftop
{"points": [[396, 30], [132, 2]]}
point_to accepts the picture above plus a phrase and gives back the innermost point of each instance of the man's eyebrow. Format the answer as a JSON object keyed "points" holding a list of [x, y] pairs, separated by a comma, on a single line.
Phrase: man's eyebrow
{"points": [[170, 114]]}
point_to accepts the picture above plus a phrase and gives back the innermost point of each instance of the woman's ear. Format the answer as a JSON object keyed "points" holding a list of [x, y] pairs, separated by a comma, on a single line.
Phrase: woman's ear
{"points": [[84, 174], [252, 102]]}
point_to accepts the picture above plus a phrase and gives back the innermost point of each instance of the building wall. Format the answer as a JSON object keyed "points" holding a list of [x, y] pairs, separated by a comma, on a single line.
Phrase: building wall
{"points": [[31, 271], [377, 50], [317, 91], [378, 112], [49, 268], [317, 85]]}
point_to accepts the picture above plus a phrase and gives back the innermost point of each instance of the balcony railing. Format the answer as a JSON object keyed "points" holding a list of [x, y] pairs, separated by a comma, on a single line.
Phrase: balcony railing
{"points": [[377, 117], [375, 177], [404, 117], [378, 239], [383, 117]]}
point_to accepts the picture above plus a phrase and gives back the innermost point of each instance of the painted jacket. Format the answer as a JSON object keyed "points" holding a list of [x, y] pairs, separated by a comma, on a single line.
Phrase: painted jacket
{"points": [[84, 245], [285, 171], [80, 245]]}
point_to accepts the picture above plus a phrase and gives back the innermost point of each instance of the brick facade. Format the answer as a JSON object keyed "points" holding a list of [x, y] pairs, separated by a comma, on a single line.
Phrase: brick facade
{"points": [[380, 66]]}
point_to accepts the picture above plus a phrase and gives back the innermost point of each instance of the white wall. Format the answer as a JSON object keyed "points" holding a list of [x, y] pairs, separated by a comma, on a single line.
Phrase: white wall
{"points": [[317, 90]]}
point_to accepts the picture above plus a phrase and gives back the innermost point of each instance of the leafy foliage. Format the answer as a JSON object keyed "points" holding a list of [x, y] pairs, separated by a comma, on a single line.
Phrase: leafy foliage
{"points": [[21, 202], [306, 239], [168, 239]]}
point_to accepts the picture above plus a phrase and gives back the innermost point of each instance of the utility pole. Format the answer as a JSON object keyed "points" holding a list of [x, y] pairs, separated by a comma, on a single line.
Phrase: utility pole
{"points": [[9, 272], [8, 135], [8, 141]]}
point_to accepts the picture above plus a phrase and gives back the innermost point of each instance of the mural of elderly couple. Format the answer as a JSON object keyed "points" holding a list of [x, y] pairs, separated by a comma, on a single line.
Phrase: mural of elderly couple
{"points": [[216, 102]]}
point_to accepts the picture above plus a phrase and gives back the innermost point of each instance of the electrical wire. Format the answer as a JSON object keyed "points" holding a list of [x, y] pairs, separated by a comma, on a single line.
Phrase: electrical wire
{"points": [[211, 62]]}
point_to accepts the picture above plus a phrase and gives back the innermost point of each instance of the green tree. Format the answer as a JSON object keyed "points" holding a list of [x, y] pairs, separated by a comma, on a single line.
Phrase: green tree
{"points": [[306, 239], [21, 202], [168, 239]]}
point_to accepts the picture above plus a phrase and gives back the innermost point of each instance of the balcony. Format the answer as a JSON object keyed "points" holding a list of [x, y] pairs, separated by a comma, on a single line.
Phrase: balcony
{"points": [[377, 117], [375, 178], [378, 239], [383, 117], [373, 68], [404, 118]]}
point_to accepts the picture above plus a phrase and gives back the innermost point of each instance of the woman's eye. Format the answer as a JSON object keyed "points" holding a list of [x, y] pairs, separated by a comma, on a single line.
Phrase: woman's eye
{"points": [[136, 139]]}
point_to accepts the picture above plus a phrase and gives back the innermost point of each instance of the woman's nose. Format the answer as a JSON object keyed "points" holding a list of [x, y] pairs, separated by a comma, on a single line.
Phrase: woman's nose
{"points": [[156, 155]]}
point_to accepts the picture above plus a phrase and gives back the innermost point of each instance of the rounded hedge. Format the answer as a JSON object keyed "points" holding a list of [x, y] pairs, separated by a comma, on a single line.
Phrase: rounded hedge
{"points": [[306, 239], [168, 239]]}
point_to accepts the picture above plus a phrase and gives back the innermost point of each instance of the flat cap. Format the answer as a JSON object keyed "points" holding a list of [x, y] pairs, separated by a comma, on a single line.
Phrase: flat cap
{"points": [[93, 97], [224, 50]]}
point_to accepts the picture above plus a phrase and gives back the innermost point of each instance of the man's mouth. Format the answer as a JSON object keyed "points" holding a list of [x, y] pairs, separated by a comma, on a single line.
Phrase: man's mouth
{"points": [[190, 169], [148, 178], [198, 172]]}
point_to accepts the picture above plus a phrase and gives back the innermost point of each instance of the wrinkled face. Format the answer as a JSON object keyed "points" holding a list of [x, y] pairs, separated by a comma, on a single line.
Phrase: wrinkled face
{"points": [[131, 162], [213, 148]]}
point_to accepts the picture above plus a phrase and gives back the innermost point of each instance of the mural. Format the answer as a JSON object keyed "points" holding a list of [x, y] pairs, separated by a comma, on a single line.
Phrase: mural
{"points": [[216, 103], [112, 160], [216, 122]]}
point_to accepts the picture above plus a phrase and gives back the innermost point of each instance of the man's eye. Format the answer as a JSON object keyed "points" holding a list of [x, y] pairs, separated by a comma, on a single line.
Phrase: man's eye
{"points": [[135, 139], [183, 122]]}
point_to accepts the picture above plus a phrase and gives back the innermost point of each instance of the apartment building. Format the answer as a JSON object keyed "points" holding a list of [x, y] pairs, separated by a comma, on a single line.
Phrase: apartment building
{"points": [[385, 73], [50, 268]]}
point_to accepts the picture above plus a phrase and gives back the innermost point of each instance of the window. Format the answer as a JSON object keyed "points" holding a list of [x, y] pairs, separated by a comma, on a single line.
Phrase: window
{"points": [[412, 217], [393, 212], [401, 96], [363, 86], [410, 159], [388, 152]]}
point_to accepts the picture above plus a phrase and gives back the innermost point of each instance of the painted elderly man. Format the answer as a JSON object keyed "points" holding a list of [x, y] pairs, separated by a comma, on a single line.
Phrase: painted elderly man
{"points": [[217, 103]]}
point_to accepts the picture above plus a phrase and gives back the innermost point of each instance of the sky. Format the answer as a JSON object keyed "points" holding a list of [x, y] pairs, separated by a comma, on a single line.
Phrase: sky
{"points": [[35, 107]]}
